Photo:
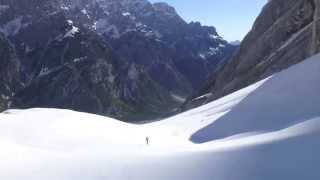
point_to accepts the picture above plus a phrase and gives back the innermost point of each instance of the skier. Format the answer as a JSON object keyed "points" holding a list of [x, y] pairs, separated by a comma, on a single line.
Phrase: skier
{"points": [[147, 140]]}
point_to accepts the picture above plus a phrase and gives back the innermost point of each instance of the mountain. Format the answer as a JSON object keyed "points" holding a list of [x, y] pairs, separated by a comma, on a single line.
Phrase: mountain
{"points": [[129, 59], [9, 73], [285, 33], [269, 130], [155, 36], [237, 42]]}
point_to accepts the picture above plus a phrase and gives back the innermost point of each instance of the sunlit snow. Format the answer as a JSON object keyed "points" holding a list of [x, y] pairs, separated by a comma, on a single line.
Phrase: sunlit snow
{"points": [[269, 130]]}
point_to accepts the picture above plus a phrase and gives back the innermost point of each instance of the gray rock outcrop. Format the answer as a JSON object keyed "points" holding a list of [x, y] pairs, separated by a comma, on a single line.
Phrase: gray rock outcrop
{"points": [[285, 33]]}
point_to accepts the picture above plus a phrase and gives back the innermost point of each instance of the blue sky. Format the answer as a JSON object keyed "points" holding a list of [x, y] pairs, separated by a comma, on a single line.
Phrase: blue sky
{"points": [[232, 18]]}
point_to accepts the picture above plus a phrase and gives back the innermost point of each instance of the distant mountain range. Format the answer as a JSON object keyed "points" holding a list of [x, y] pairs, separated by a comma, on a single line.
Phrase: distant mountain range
{"points": [[237, 42], [129, 59]]}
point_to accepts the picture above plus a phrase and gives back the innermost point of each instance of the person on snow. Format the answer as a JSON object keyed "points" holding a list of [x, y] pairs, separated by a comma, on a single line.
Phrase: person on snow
{"points": [[147, 140]]}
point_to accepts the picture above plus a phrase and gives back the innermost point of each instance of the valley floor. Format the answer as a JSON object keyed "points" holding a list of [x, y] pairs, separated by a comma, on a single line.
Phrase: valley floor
{"points": [[269, 130]]}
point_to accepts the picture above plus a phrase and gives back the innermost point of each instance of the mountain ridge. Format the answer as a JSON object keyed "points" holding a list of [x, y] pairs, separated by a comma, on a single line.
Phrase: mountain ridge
{"points": [[283, 34], [144, 55]]}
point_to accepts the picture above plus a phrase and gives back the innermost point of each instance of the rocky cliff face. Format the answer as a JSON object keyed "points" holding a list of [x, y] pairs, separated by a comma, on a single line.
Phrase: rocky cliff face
{"points": [[130, 59], [285, 33], [9, 73], [154, 35]]}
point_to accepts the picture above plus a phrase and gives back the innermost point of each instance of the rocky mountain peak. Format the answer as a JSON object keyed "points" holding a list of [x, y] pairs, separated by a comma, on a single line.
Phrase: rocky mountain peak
{"points": [[134, 3], [285, 33], [130, 6], [130, 59], [165, 9]]}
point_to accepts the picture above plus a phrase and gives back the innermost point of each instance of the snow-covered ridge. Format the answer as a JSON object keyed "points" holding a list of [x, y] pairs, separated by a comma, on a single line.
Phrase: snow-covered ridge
{"points": [[269, 130]]}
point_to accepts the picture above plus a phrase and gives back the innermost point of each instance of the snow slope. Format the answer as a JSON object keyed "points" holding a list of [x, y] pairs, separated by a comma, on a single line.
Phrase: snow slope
{"points": [[269, 130]]}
